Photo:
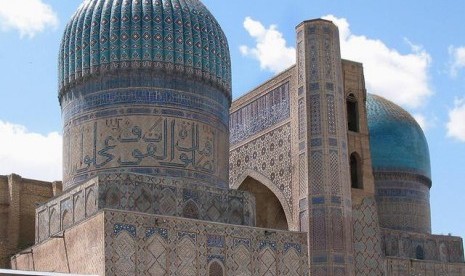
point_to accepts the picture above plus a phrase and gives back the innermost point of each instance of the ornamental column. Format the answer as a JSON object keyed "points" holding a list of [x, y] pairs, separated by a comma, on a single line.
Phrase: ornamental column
{"points": [[323, 145]]}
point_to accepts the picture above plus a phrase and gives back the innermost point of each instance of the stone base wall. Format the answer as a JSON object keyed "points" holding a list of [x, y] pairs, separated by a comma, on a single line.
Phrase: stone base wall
{"points": [[403, 267], [77, 250], [143, 244], [148, 194]]}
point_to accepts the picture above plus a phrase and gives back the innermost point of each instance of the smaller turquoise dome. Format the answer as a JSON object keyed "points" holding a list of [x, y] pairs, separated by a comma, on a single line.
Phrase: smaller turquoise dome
{"points": [[397, 142]]}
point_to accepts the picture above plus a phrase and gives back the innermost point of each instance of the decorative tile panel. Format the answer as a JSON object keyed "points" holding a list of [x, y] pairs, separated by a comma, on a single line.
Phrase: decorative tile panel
{"points": [[148, 194], [260, 114], [179, 246], [268, 155]]}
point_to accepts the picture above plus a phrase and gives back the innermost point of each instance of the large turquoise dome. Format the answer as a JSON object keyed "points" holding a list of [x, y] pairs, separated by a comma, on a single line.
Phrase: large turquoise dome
{"points": [[167, 35], [397, 142], [145, 87]]}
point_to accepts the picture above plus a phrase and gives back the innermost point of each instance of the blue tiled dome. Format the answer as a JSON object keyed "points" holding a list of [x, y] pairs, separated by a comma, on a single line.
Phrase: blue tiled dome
{"points": [[168, 35], [397, 142]]}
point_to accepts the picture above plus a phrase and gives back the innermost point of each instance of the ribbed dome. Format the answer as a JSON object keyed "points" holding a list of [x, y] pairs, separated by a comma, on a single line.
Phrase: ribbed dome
{"points": [[168, 35], [397, 142]]}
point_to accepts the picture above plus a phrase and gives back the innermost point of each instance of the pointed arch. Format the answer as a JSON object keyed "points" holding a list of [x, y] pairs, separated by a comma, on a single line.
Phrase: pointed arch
{"points": [[274, 191], [66, 219]]}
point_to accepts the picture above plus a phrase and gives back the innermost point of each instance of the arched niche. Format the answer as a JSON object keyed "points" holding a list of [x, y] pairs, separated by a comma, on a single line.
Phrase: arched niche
{"points": [[356, 179], [215, 269], [419, 253], [352, 113], [269, 208]]}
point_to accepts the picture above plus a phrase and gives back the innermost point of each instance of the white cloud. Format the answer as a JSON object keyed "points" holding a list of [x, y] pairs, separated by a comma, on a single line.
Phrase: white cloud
{"points": [[29, 154], [402, 78], [270, 49], [457, 55], [425, 123], [455, 125], [29, 17]]}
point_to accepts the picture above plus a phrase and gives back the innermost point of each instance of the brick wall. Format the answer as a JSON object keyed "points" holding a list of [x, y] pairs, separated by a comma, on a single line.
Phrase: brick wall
{"points": [[18, 199]]}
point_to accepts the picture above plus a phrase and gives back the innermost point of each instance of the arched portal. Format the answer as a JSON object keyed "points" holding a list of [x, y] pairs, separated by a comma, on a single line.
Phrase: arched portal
{"points": [[269, 211]]}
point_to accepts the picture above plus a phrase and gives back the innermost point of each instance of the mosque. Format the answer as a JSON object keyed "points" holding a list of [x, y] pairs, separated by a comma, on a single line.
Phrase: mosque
{"points": [[163, 174]]}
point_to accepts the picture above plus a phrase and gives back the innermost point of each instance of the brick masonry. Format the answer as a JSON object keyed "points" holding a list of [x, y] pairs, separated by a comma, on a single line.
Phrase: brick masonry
{"points": [[18, 200]]}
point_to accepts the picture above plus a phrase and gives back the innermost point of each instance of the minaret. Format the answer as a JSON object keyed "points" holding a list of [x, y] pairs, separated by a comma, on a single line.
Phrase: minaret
{"points": [[326, 214]]}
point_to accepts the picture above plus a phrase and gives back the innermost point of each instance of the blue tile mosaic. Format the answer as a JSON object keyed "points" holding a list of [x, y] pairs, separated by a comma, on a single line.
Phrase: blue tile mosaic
{"points": [[107, 41], [296, 246], [192, 236], [118, 227], [159, 231], [215, 241], [245, 242], [266, 243]]}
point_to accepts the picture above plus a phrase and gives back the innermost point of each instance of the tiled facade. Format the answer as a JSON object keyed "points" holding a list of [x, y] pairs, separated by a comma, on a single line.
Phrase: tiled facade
{"points": [[388, 204], [146, 194], [163, 176], [128, 243]]}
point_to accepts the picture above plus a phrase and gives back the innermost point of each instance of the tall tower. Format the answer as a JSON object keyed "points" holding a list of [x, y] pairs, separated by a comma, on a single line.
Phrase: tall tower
{"points": [[145, 87], [323, 149]]}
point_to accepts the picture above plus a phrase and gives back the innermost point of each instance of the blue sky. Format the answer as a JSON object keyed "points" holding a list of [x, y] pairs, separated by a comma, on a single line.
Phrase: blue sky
{"points": [[413, 53]]}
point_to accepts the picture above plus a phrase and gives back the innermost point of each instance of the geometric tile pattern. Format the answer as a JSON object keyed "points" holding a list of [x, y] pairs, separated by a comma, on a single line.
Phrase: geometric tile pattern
{"points": [[186, 257], [267, 262], [124, 253], [292, 263], [242, 260], [179, 246], [156, 260], [268, 155], [369, 258]]}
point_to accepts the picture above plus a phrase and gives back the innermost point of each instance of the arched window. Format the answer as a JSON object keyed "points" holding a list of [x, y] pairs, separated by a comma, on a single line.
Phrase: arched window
{"points": [[420, 254], [215, 269], [352, 113], [355, 171]]}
